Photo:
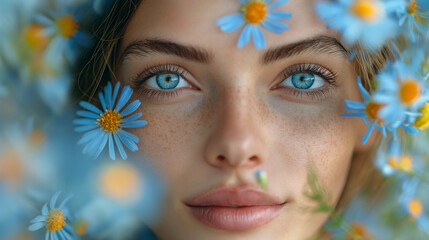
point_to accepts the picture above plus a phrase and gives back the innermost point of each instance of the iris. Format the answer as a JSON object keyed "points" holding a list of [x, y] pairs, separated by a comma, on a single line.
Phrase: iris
{"points": [[167, 80], [303, 80]]}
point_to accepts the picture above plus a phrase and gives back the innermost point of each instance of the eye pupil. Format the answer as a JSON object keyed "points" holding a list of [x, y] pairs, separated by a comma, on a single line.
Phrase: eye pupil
{"points": [[303, 80], [167, 80]]}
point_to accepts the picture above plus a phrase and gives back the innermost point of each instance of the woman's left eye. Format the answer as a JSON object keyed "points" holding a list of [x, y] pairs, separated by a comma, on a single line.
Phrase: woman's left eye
{"points": [[167, 81], [304, 80]]}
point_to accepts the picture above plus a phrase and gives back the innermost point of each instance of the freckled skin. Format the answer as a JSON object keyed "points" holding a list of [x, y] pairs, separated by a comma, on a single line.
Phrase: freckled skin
{"points": [[235, 113]]}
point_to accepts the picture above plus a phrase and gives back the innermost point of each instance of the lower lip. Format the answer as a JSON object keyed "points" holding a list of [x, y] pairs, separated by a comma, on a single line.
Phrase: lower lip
{"points": [[236, 219]]}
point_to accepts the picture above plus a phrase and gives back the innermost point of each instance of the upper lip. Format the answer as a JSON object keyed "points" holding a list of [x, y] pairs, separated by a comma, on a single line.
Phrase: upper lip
{"points": [[234, 196]]}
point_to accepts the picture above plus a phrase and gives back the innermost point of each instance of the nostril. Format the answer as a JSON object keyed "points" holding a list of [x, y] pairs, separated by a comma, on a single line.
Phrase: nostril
{"points": [[221, 158], [253, 158]]}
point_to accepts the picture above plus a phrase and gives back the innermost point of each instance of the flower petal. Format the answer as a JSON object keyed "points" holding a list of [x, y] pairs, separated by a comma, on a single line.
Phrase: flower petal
{"points": [[63, 203], [231, 22], [127, 142], [276, 27], [102, 100], [108, 95], [279, 15], [368, 133], [54, 200], [111, 148], [132, 117], [86, 128], [277, 4], [89, 136], [123, 99], [39, 218], [134, 124], [258, 37], [131, 136], [120, 147], [85, 121], [115, 94], [90, 107], [87, 114], [244, 36], [101, 145], [36, 226], [45, 209], [131, 108]]}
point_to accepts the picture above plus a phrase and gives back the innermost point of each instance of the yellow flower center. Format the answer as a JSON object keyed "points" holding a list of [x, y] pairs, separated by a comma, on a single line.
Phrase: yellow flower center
{"points": [[11, 168], [367, 10], [372, 109], [67, 26], [55, 220], [415, 207], [120, 182], [358, 231], [255, 11], [404, 163], [35, 38], [412, 7], [422, 122], [109, 121], [409, 91], [81, 227]]}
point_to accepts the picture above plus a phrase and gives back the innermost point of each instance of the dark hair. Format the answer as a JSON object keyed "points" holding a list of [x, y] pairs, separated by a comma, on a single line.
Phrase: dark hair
{"points": [[97, 66]]}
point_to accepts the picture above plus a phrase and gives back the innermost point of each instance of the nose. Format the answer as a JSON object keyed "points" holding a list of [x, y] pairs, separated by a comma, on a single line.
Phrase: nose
{"points": [[238, 140]]}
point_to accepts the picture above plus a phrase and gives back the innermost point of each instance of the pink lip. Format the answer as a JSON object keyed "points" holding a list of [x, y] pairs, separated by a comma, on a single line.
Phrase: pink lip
{"points": [[252, 208]]}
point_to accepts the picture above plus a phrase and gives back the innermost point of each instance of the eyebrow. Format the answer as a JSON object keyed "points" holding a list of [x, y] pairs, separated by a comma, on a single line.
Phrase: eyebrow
{"points": [[150, 46], [320, 44]]}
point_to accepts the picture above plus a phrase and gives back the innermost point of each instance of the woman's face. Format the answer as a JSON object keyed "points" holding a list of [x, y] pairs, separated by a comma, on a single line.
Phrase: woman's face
{"points": [[217, 113]]}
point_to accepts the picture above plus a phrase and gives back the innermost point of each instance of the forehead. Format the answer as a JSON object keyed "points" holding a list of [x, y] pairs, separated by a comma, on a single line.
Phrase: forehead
{"points": [[193, 22]]}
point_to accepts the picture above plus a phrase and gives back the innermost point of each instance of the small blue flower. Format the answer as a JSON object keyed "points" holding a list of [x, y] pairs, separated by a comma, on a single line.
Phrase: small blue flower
{"points": [[414, 205], [66, 36], [367, 110], [54, 220], [255, 13], [412, 17], [365, 21], [106, 127], [403, 94]]}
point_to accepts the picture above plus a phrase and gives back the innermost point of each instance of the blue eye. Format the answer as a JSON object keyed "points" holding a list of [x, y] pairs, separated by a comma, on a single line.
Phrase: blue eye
{"points": [[167, 81], [304, 80]]}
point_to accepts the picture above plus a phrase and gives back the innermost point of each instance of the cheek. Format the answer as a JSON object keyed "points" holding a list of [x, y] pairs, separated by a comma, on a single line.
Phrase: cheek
{"points": [[169, 138], [312, 136]]}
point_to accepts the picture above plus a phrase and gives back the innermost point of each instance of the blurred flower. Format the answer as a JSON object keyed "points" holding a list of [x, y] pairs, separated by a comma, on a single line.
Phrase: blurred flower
{"points": [[402, 93], [413, 205], [368, 110], [365, 21], [413, 16], [54, 220], [63, 28], [253, 14], [105, 126], [391, 159]]}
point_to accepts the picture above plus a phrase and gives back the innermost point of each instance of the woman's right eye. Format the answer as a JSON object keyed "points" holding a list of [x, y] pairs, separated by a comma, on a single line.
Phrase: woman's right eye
{"points": [[167, 81]]}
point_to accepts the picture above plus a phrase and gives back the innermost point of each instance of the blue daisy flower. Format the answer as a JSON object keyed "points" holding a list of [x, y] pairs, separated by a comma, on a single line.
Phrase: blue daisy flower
{"points": [[365, 21], [255, 13], [390, 159], [54, 220], [67, 36], [106, 127], [412, 17], [413, 205], [367, 110], [403, 94]]}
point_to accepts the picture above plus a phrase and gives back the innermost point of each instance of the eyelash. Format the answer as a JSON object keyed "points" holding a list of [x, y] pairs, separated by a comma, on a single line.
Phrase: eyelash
{"points": [[327, 75], [317, 94], [153, 71]]}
